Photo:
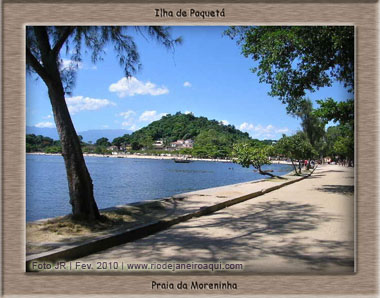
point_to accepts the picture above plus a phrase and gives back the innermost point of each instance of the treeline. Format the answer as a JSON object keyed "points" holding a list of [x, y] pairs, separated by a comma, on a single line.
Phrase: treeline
{"points": [[42, 144], [314, 142], [212, 139], [209, 139]]}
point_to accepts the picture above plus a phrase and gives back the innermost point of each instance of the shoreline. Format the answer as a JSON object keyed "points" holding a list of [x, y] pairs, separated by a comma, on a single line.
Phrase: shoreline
{"points": [[42, 234], [275, 233], [141, 156], [174, 196]]}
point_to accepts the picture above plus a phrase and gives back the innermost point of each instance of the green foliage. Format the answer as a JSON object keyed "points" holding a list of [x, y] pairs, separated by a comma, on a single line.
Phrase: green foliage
{"points": [[30, 148], [102, 142], [102, 150], [297, 59], [88, 149], [135, 145], [342, 147], [340, 142], [312, 125], [183, 126], [121, 141], [147, 142], [39, 143], [54, 149], [212, 139], [186, 151], [336, 111], [296, 147], [247, 155], [213, 143]]}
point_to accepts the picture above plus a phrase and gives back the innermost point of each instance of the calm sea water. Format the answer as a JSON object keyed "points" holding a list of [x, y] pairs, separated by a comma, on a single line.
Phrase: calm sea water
{"points": [[120, 181]]}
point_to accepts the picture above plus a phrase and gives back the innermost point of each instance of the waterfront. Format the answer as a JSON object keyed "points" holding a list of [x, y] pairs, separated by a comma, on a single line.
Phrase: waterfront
{"points": [[119, 181]]}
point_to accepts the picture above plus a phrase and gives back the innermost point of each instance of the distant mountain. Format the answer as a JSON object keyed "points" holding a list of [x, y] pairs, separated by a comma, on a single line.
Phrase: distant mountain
{"points": [[88, 135], [43, 131]]}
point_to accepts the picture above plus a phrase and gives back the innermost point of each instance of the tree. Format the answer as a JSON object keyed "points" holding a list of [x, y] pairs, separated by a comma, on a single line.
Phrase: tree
{"points": [[214, 143], [39, 143], [102, 142], [147, 142], [118, 142], [342, 112], [297, 59], [295, 147], [311, 124], [247, 155], [340, 142], [43, 47]]}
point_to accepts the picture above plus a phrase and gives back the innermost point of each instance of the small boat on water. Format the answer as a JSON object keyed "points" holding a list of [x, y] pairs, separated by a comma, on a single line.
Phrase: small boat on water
{"points": [[181, 160]]}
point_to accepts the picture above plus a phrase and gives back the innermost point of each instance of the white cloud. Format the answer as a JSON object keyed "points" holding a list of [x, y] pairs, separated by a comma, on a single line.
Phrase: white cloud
{"points": [[130, 120], [266, 132], [133, 127], [128, 117], [132, 86], [48, 116], [129, 125], [128, 114], [189, 112], [80, 103], [187, 84], [45, 124], [150, 116], [224, 122], [246, 126]]}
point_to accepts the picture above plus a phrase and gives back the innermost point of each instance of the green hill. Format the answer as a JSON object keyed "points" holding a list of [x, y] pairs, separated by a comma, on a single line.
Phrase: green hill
{"points": [[186, 126], [211, 138]]}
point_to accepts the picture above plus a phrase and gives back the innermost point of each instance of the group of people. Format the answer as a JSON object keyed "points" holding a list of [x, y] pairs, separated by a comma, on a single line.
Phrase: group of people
{"points": [[306, 163]]}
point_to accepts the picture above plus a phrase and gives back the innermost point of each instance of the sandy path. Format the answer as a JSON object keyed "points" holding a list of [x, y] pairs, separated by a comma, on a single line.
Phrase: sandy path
{"points": [[304, 227]]}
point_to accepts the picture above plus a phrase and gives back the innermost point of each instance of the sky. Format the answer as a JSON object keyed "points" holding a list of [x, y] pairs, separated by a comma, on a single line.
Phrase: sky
{"points": [[205, 75]]}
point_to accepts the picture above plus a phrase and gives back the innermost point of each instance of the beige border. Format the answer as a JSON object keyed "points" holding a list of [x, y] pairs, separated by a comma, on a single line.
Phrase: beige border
{"points": [[15, 15]]}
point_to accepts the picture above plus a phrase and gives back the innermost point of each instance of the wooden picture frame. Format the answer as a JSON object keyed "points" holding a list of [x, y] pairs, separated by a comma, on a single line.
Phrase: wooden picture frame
{"points": [[17, 14]]}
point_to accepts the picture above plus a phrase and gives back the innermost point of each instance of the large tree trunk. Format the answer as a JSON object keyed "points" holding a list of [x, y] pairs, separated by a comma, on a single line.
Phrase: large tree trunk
{"points": [[79, 180], [80, 183]]}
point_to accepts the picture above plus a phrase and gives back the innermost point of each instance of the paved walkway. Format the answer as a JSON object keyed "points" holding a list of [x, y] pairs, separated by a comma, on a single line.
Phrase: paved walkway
{"points": [[304, 227]]}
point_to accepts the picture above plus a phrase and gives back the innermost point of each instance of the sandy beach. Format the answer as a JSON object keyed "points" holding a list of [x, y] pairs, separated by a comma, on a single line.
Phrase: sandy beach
{"points": [[306, 227]]}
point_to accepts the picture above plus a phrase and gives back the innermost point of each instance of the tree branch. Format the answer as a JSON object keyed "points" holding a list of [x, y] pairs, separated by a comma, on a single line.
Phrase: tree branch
{"points": [[65, 35], [33, 62], [42, 41]]}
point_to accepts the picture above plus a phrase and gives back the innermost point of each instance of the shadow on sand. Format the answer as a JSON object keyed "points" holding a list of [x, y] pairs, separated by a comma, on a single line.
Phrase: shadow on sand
{"points": [[342, 189], [270, 228]]}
